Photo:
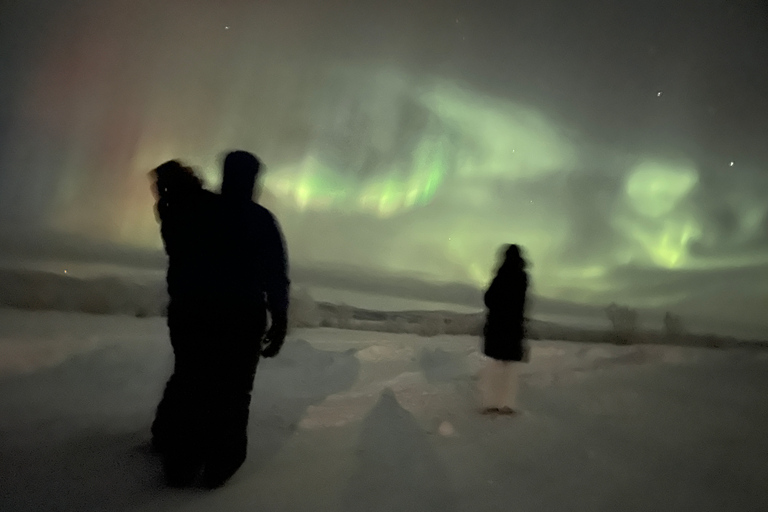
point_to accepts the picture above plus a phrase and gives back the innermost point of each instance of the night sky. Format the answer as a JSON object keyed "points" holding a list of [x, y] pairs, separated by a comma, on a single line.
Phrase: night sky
{"points": [[624, 144]]}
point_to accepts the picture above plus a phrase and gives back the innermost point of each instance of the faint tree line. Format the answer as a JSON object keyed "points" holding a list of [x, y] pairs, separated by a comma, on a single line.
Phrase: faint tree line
{"points": [[624, 323]]}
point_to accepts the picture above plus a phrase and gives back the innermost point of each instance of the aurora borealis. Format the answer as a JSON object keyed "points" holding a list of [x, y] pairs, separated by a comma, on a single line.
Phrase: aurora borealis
{"points": [[623, 145]]}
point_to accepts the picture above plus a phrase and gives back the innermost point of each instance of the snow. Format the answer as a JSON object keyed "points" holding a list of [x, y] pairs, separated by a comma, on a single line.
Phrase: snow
{"points": [[111, 289], [365, 421], [382, 303]]}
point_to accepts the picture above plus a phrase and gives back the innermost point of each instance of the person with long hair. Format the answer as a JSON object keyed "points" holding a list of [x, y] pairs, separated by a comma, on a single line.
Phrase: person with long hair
{"points": [[504, 333], [186, 212]]}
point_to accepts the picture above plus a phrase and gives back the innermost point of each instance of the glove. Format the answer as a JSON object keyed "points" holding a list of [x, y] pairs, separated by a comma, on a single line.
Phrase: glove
{"points": [[275, 336]]}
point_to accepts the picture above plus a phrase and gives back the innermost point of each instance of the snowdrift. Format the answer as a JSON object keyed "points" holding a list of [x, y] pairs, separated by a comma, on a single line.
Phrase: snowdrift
{"points": [[360, 420]]}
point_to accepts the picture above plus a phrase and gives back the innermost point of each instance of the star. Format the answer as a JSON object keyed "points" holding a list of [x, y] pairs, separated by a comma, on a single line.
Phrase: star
{"points": [[730, 164], [658, 94], [226, 27]]}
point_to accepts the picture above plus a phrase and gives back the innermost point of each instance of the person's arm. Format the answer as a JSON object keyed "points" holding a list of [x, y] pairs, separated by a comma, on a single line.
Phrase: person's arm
{"points": [[276, 282], [276, 285]]}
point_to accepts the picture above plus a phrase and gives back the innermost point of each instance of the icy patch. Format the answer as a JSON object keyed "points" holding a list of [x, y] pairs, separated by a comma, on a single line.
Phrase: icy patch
{"points": [[383, 353]]}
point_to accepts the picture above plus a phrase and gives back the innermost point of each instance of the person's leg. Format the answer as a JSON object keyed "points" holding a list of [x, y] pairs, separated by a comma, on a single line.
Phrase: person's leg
{"points": [[227, 423], [177, 426], [234, 369], [483, 387], [500, 370], [182, 457], [508, 384], [490, 384], [165, 423], [166, 414]]}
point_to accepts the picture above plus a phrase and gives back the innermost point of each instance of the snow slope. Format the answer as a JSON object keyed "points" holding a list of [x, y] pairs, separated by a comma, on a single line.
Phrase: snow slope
{"points": [[365, 421]]}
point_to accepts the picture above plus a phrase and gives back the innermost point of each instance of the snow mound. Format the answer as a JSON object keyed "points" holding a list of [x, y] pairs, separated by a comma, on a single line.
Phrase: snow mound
{"points": [[379, 353], [330, 430], [440, 365], [305, 372]]}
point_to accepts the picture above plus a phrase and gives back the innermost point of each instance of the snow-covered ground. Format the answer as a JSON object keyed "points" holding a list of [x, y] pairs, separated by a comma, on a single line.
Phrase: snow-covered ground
{"points": [[365, 421]]}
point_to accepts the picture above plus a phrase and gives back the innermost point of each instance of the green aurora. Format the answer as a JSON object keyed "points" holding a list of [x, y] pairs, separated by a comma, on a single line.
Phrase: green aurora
{"points": [[410, 143]]}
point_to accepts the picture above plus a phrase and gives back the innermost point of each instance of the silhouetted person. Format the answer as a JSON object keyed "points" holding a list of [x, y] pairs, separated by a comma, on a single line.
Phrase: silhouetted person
{"points": [[187, 213], [252, 281], [227, 268], [504, 332]]}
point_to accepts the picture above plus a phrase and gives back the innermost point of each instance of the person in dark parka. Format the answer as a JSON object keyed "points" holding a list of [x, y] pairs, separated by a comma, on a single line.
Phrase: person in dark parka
{"points": [[252, 291], [186, 212], [227, 268], [504, 332]]}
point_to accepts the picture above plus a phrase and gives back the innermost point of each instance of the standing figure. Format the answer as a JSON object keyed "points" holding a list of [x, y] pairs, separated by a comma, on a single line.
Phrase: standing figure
{"points": [[504, 333], [227, 268], [251, 284], [187, 213]]}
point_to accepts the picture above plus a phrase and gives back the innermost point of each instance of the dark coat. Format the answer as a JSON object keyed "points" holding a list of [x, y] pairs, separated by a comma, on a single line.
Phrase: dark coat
{"points": [[254, 265], [226, 265], [223, 251], [505, 322], [190, 239]]}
